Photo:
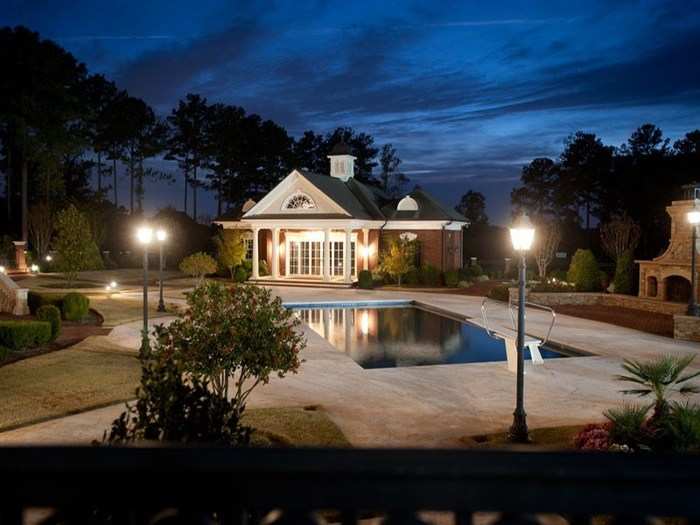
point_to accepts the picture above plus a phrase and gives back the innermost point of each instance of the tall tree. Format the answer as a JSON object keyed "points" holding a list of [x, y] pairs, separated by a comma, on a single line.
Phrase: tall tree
{"points": [[187, 142], [391, 179], [113, 135], [473, 206], [99, 93], [226, 151]]}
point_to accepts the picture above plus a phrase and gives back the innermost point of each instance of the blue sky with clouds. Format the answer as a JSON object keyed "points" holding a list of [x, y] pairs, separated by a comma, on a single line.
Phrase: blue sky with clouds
{"points": [[467, 92]]}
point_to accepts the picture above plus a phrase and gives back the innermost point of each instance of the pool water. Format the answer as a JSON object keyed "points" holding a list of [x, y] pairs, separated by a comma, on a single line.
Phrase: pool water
{"points": [[405, 335]]}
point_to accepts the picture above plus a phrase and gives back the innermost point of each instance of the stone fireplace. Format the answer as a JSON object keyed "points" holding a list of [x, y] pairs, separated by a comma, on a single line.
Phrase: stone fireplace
{"points": [[667, 277]]}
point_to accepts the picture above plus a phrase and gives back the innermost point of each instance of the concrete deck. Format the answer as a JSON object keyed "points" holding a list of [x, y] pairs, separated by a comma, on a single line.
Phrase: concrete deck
{"points": [[427, 406]]}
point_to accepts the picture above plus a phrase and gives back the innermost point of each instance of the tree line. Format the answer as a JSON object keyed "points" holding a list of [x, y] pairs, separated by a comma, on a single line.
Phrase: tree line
{"points": [[591, 183], [67, 136]]}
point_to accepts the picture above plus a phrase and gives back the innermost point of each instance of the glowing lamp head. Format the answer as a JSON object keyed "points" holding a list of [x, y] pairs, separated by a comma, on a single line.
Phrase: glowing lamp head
{"points": [[3, 269], [522, 233], [161, 235], [113, 284], [144, 235], [694, 217]]}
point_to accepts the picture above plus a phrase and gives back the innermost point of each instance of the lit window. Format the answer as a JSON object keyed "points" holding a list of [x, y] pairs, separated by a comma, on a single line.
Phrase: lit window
{"points": [[299, 201]]}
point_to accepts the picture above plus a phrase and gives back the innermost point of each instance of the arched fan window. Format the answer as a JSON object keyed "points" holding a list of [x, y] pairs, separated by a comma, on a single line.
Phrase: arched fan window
{"points": [[299, 201]]}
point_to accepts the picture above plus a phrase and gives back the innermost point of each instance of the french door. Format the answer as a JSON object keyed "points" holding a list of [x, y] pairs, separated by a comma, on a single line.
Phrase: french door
{"points": [[337, 258], [305, 258]]}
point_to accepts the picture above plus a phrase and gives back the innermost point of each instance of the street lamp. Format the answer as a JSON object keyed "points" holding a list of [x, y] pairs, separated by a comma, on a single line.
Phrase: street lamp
{"points": [[145, 237], [161, 235], [522, 233], [693, 309]]}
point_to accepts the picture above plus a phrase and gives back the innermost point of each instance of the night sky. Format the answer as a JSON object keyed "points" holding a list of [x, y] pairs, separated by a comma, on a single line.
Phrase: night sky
{"points": [[467, 92]]}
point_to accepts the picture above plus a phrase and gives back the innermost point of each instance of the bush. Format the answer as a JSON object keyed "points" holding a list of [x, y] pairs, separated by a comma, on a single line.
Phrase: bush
{"points": [[241, 274], [593, 437], [683, 427], [18, 335], [412, 278], [430, 275], [628, 426], [35, 300], [4, 352], [470, 273], [584, 272], [624, 273], [198, 265], [364, 280], [52, 315], [76, 250], [500, 293], [452, 278], [75, 307]]}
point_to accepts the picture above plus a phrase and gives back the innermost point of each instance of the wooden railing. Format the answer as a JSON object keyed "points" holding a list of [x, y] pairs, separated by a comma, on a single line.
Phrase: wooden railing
{"points": [[215, 485]]}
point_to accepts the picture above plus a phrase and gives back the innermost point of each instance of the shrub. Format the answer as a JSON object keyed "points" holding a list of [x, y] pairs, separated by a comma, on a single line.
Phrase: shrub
{"points": [[75, 307], [198, 265], [430, 275], [240, 274], [412, 278], [364, 280], [683, 427], [35, 300], [624, 273], [4, 352], [593, 437], [52, 315], [584, 271], [230, 249], [470, 273], [452, 278], [398, 260], [76, 250], [500, 293], [628, 426], [18, 335]]}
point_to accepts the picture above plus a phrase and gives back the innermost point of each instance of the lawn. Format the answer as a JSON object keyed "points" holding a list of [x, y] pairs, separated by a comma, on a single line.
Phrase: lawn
{"points": [[297, 427], [553, 438], [118, 310], [91, 374]]}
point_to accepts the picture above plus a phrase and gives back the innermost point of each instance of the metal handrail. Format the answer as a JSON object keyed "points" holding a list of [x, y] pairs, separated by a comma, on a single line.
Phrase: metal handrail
{"points": [[492, 333]]}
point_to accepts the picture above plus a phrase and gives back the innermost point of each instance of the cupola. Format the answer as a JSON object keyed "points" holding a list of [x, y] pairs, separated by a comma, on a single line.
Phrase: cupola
{"points": [[342, 161]]}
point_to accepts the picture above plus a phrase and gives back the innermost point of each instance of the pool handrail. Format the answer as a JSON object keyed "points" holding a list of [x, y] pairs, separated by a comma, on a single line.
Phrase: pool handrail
{"points": [[511, 307]]}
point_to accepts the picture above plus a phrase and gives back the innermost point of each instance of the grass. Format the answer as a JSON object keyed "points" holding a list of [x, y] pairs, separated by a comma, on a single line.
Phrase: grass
{"points": [[117, 310], [91, 374], [552, 438], [294, 427]]}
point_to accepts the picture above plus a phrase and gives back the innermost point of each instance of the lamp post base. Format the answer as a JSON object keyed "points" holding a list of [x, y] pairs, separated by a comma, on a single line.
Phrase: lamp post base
{"points": [[518, 432]]}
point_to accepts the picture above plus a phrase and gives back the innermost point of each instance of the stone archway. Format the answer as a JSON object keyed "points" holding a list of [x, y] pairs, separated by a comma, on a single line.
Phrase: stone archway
{"points": [[677, 289], [652, 286]]}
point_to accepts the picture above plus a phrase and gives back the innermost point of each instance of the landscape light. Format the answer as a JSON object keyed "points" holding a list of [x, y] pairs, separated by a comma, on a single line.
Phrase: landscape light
{"points": [[2, 269], [161, 235], [113, 284], [522, 233], [34, 268], [144, 235], [48, 258]]}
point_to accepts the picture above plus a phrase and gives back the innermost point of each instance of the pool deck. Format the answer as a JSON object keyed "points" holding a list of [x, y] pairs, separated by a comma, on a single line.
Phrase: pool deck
{"points": [[428, 406]]}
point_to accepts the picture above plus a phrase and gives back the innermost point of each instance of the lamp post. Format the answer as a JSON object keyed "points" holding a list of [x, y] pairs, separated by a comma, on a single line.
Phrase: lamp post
{"points": [[522, 233], [161, 235], [694, 220], [145, 237]]}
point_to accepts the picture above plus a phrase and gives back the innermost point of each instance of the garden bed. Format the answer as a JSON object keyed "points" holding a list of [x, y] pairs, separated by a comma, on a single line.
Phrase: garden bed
{"points": [[552, 438], [644, 321]]}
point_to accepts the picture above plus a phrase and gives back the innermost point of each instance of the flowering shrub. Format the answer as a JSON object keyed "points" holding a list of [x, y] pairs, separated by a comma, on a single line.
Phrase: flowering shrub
{"points": [[593, 437]]}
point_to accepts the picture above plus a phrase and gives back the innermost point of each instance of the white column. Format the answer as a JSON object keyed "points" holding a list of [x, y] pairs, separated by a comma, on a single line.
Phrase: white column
{"points": [[275, 253], [256, 257], [346, 255], [327, 254], [365, 240]]}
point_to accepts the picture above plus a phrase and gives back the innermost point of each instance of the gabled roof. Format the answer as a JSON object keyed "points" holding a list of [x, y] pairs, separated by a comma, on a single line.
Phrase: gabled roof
{"points": [[362, 201]]}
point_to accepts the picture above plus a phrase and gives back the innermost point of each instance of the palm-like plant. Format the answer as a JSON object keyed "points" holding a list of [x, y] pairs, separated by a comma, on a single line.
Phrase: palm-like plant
{"points": [[659, 378]]}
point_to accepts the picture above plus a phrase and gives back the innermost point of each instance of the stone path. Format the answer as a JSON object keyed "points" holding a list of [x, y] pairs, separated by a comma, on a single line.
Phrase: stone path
{"points": [[428, 405]]}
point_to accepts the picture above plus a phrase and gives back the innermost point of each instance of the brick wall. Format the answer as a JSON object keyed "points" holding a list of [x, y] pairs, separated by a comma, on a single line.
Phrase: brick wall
{"points": [[430, 241]]}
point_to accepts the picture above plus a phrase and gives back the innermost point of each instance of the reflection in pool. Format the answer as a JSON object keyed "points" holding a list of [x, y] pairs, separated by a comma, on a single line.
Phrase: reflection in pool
{"points": [[384, 337]]}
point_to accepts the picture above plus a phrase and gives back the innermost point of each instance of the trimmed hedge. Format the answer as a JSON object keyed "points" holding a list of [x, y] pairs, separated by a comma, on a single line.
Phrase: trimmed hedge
{"points": [[75, 306], [499, 293], [624, 273], [35, 300], [18, 335], [364, 280], [52, 315], [430, 275], [452, 278]]}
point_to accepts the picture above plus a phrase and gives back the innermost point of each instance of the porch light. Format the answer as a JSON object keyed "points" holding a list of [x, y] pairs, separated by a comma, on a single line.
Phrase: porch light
{"points": [[144, 235], [161, 235], [522, 233], [365, 251]]}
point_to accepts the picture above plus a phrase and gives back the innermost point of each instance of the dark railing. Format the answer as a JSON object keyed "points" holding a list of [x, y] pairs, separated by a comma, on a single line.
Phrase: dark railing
{"points": [[214, 485]]}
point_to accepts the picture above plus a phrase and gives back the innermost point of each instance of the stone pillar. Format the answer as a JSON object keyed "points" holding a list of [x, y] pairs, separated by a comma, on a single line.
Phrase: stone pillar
{"points": [[327, 254], [365, 239], [20, 257], [347, 271], [275, 253], [256, 256]]}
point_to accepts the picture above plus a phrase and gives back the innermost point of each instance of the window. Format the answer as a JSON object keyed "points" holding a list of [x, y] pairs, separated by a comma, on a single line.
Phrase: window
{"points": [[299, 201], [248, 249]]}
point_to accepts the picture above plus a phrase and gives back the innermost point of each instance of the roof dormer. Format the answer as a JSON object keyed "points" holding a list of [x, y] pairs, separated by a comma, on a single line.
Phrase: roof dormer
{"points": [[342, 161]]}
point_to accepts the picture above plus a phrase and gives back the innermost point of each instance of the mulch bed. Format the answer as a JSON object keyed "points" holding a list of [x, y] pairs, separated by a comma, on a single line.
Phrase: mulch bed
{"points": [[650, 322], [71, 333]]}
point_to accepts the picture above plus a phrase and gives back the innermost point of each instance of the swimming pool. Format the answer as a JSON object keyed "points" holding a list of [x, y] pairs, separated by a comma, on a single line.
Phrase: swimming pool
{"points": [[398, 334]]}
